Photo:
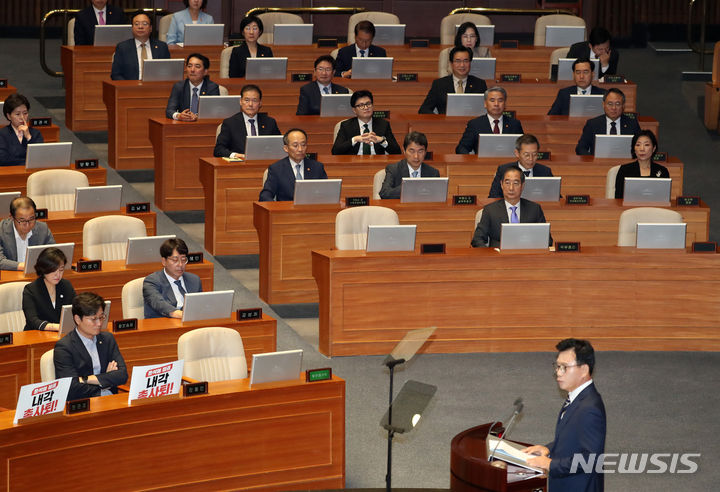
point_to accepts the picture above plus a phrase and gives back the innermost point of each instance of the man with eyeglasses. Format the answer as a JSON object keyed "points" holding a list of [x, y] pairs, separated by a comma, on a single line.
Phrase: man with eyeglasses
{"points": [[312, 92], [583, 71], [526, 151], [613, 122], [19, 231], [364, 134], [581, 424], [164, 291], [458, 82], [130, 55]]}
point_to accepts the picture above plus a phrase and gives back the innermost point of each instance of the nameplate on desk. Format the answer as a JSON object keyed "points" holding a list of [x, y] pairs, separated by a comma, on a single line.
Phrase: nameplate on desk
{"points": [[77, 406], [510, 43], [432, 248], [660, 156], [577, 199], [688, 201], [301, 77], [137, 208], [193, 389], [89, 266], [407, 77], [631, 114], [313, 375], [86, 164], [236, 42], [429, 155], [357, 201], [420, 43], [567, 247], [41, 213], [246, 314], [697, 247], [129, 324], [6, 338], [464, 199], [381, 113], [195, 257], [3, 83], [509, 113], [543, 155], [614, 79], [44, 121], [510, 77], [311, 155], [327, 42]]}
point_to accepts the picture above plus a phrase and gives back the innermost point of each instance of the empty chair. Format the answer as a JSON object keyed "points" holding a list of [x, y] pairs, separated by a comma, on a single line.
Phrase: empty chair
{"points": [[374, 17], [447, 25], [47, 366], [627, 226], [610, 181], [269, 19], [12, 317], [378, 179], [351, 225], [225, 62], [71, 32], [554, 20], [212, 354], [105, 238], [54, 189], [163, 27], [133, 304]]}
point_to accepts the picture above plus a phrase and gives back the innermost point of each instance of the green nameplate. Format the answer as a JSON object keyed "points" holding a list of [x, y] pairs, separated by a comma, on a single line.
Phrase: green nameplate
{"points": [[510, 77], [543, 156], [614, 79], [301, 77], [660, 156], [381, 113], [314, 375], [688, 201]]}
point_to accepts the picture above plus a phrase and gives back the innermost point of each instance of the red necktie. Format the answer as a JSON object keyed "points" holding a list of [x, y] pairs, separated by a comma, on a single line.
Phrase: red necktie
{"points": [[496, 128]]}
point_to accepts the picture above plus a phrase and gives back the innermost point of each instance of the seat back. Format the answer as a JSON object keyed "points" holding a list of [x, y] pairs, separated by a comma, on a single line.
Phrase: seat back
{"points": [[478, 216], [225, 62], [447, 25], [334, 53], [351, 224], [269, 19], [217, 130], [378, 179], [212, 354], [554, 20], [444, 63], [374, 17], [337, 129], [71, 32], [12, 317], [555, 56], [54, 189], [163, 27], [265, 173], [627, 224], [133, 304], [223, 90], [105, 238], [610, 181], [47, 366]]}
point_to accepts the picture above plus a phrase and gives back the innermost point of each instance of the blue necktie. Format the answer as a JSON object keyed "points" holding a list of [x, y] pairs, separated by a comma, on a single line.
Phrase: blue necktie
{"points": [[180, 288], [513, 215], [326, 90], [362, 53], [194, 101], [298, 175], [253, 132], [415, 174]]}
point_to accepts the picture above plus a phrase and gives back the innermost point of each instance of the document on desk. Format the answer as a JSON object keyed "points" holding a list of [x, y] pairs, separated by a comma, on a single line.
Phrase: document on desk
{"points": [[42, 398], [509, 452], [156, 380]]}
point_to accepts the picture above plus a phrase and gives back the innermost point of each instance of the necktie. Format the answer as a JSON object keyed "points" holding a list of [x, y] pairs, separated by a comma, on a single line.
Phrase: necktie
{"points": [[527, 173], [101, 17], [362, 53], [326, 90], [513, 215], [496, 128], [565, 405], [459, 88], [180, 288], [584, 91], [194, 101], [144, 53], [415, 174], [297, 171], [613, 128], [253, 132], [366, 146]]}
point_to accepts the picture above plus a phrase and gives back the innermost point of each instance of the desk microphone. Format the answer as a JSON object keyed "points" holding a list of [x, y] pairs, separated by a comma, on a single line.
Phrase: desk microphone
{"points": [[517, 409]]}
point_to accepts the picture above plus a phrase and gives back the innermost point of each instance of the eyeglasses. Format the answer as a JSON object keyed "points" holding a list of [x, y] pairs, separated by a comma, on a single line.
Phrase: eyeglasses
{"points": [[97, 319], [323, 69], [560, 369], [251, 28], [366, 105], [178, 259], [469, 36], [141, 24], [615, 104], [25, 221]]}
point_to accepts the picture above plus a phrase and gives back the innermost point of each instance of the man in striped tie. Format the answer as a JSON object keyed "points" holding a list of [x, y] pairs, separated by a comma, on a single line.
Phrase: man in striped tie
{"points": [[164, 291]]}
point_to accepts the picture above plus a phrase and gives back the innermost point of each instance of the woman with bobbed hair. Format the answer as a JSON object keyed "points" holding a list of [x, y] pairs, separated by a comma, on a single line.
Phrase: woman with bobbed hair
{"points": [[15, 137], [44, 298], [252, 29]]}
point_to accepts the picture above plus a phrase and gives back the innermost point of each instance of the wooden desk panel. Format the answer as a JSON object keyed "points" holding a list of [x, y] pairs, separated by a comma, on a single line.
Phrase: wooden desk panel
{"points": [[14, 178], [50, 133], [296, 432], [6, 91], [620, 298]]}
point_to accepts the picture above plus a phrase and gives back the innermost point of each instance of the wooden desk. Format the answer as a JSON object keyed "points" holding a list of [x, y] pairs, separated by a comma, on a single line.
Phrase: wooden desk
{"points": [[50, 133], [620, 298], [154, 342], [287, 233], [281, 436], [6, 91], [14, 178], [231, 188]]}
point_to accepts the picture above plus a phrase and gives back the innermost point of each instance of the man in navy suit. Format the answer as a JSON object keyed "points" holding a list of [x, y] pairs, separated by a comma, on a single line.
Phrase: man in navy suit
{"points": [[99, 13], [613, 122], [492, 122], [364, 134], [281, 177], [185, 96], [580, 429], [599, 44], [363, 47], [583, 70], [311, 93], [458, 82], [234, 130], [526, 151], [130, 54], [412, 166]]}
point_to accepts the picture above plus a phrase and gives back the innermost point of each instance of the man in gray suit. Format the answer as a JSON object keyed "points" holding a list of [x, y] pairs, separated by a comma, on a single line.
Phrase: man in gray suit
{"points": [[164, 291], [415, 145], [19, 231]]}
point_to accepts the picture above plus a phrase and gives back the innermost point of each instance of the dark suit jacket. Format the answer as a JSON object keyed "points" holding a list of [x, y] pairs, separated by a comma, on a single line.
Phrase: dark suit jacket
{"points": [[350, 128], [581, 430], [310, 96], [632, 170], [437, 96], [343, 62], [36, 304], [561, 105], [12, 152], [8, 249], [394, 173], [280, 182], [582, 50], [158, 293], [469, 140], [180, 96], [233, 133], [538, 171], [125, 64], [239, 56], [495, 214], [73, 360], [85, 22], [598, 126]]}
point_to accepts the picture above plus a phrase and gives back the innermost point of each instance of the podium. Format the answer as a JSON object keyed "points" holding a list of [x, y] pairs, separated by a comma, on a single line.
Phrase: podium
{"points": [[470, 470]]}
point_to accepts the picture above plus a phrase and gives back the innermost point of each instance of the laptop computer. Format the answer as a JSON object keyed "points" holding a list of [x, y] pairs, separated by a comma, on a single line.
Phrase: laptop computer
{"points": [[276, 366], [524, 236], [163, 69], [500, 145], [144, 249], [91, 199], [293, 34], [588, 105], [264, 147], [483, 68], [647, 190], [613, 146], [203, 34], [415, 190], [542, 189], [5, 199], [111, 35], [336, 105], [465, 105], [660, 235], [266, 68], [564, 35], [391, 238], [48, 155], [67, 322], [372, 68], [565, 70], [389, 34], [317, 191], [32, 253], [218, 106], [208, 305]]}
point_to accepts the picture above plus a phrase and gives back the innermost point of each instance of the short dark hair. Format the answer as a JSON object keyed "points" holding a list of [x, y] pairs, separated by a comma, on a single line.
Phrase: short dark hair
{"points": [[49, 260], [141, 12], [204, 4], [14, 101], [250, 87], [287, 133], [461, 30], [417, 138], [643, 133], [172, 244], [614, 90], [584, 60], [361, 93], [22, 202], [249, 20], [365, 26], [514, 167], [459, 49], [87, 304], [204, 59], [584, 353], [526, 139], [325, 58], [598, 35]]}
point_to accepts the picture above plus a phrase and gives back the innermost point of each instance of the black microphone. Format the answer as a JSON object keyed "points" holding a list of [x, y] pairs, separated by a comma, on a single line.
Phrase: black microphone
{"points": [[517, 409]]}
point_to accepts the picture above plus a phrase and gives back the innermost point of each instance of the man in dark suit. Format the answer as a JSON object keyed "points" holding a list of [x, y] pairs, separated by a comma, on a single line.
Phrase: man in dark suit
{"points": [[492, 122], [581, 425], [130, 54], [185, 96], [613, 122], [412, 166], [87, 355], [363, 47], [311, 93], [281, 177], [164, 291], [99, 13], [583, 70], [599, 43], [234, 130], [526, 151], [364, 135], [512, 209], [458, 82], [19, 231]]}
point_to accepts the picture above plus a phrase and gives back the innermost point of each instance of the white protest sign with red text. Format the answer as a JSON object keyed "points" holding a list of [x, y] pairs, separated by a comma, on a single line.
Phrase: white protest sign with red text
{"points": [[42, 398], [156, 380]]}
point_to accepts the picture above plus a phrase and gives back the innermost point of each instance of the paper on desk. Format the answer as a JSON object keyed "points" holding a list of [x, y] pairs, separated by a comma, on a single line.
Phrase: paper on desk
{"points": [[509, 452]]}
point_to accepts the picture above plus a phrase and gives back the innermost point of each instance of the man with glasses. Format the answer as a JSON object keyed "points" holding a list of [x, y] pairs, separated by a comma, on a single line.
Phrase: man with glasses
{"points": [[613, 122], [581, 424], [458, 82], [526, 152], [19, 231], [364, 134], [311, 93], [164, 291], [130, 55]]}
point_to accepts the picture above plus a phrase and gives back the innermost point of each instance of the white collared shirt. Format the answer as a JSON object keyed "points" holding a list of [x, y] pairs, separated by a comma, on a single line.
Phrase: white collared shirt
{"points": [[138, 46], [21, 244], [411, 170], [321, 87], [91, 347], [455, 83], [525, 170], [492, 123], [607, 125], [574, 393], [588, 90], [97, 15], [179, 299], [508, 207], [366, 50]]}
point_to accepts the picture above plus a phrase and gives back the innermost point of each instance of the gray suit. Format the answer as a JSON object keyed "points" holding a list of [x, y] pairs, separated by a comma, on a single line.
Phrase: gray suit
{"points": [[158, 293], [8, 249]]}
